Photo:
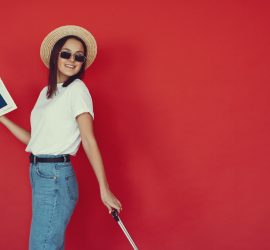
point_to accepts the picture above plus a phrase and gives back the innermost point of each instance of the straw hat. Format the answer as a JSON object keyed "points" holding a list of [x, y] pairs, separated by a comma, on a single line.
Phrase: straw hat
{"points": [[50, 40]]}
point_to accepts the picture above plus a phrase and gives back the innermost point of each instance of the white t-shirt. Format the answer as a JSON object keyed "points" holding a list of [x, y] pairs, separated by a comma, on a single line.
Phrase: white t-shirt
{"points": [[54, 129]]}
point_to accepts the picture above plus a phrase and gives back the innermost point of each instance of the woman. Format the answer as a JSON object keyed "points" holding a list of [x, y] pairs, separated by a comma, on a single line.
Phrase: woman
{"points": [[61, 118]]}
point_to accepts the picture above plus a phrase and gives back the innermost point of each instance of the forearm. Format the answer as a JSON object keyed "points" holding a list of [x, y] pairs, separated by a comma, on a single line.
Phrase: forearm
{"points": [[93, 154], [20, 133]]}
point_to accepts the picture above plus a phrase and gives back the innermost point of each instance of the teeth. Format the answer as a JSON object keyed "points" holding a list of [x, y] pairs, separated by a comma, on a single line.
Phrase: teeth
{"points": [[70, 66]]}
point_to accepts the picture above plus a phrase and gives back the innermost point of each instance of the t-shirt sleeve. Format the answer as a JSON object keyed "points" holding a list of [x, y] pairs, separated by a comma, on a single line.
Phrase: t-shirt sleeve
{"points": [[81, 101]]}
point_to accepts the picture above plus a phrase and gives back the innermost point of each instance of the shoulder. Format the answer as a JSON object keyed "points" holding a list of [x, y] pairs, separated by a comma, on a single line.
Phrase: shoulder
{"points": [[78, 86], [43, 91]]}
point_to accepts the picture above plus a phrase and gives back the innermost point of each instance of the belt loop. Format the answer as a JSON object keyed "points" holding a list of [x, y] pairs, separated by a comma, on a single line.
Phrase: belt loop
{"points": [[65, 158], [35, 159]]}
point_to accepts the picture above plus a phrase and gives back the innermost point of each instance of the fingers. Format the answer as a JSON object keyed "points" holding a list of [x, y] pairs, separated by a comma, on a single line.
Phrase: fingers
{"points": [[110, 201], [116, 205], [119, 206]]}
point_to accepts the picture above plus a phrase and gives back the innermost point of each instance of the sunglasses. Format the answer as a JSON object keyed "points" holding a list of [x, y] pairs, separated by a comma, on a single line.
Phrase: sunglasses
{"points": [[77, 57]]}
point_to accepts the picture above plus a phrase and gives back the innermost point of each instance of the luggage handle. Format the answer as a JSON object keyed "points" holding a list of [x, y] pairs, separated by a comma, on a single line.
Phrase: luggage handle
{"points": [[116, 217]]}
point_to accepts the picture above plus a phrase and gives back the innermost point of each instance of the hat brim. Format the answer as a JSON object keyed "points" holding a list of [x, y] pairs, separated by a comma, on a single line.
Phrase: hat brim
{"points": [[60, 32]]}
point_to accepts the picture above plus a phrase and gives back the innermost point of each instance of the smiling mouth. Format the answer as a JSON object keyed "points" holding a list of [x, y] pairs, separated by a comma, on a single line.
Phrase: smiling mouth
{"points": [[69, 66]]}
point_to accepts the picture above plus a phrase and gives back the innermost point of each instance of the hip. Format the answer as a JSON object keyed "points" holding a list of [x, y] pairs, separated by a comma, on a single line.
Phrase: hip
{"points": [[53, 177]]}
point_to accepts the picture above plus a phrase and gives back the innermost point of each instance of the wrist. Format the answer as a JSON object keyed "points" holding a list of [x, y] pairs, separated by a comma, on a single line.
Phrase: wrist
{"points": [[2, 118], [104, 187]]}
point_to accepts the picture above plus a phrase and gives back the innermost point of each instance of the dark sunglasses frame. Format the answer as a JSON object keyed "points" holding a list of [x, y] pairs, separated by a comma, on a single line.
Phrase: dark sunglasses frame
{"points": [[77, 57]]}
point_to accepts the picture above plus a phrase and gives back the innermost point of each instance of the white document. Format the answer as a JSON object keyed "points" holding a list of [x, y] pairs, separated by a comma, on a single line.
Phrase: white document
{"points": [[6, 102]]}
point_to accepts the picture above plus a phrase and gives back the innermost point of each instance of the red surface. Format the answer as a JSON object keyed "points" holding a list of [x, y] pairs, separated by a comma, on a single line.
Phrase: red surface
{"points": [[181, 101]]}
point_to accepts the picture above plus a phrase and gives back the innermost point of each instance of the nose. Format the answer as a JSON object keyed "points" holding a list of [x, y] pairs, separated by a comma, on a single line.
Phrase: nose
{"points": [[72, 58]]}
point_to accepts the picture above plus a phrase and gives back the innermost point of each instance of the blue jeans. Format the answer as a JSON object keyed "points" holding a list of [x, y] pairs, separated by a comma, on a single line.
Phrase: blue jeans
{"points": [[54, 196]]}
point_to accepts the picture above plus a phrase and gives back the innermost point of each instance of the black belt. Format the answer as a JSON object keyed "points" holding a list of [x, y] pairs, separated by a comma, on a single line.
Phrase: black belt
{"points": [[35, 159]]}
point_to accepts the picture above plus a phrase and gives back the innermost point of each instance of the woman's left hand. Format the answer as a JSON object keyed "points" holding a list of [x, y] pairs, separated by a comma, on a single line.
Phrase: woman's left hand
{"points": [[110, 201]]}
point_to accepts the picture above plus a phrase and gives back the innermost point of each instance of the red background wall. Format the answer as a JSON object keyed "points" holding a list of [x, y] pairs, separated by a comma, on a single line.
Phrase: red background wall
{"points": [[181, 100]]}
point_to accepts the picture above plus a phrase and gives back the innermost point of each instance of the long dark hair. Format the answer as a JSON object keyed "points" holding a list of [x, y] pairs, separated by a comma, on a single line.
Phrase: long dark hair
{"points": [[52, 82]]}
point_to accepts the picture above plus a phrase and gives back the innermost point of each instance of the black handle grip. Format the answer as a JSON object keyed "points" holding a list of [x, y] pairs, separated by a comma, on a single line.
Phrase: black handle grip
{"points": [[114, 214]]}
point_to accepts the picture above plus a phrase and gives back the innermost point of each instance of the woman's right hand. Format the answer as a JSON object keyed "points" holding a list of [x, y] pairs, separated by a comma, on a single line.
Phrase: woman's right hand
{"points": [[2, 117]]}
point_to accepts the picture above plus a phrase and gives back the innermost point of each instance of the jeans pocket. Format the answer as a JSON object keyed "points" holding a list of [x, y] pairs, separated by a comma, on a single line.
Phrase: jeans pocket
{"points": [[45, 171], [72, 187]]}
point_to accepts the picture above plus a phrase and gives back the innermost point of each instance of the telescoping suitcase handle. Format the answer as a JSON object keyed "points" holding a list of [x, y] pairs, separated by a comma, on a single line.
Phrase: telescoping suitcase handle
{"points": [[116, 217]]}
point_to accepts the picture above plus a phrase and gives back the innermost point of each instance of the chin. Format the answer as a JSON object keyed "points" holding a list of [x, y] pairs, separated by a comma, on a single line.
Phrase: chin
{"points": [[71, 74], [68, 74]]}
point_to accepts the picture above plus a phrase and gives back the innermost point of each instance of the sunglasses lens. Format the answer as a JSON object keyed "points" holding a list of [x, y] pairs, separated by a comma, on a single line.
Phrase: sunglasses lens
{"points": [[65, 54], [80, 58]]}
